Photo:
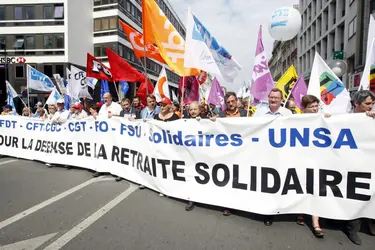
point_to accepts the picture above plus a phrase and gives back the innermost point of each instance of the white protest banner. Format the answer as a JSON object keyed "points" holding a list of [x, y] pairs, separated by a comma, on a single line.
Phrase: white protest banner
{"points": [[303, 164]]}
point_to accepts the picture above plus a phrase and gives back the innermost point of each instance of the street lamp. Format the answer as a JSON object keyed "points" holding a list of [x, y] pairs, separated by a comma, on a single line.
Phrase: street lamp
{"points": [[3, 46]]}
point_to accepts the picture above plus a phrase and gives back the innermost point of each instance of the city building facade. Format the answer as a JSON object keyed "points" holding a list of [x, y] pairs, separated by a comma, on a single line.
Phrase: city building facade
{"points": [[51, 35], [336, 29]]}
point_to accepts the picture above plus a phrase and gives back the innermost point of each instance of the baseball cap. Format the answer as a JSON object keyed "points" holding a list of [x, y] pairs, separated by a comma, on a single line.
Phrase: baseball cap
{"points": [[78, 106], [61, 101], [39, 104], [99, 104], [165, 101], [8, 107]]}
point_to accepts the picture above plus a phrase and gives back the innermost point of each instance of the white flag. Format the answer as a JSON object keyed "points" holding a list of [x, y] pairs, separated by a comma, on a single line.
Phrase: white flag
{"points": [[326, 85], [53, 97], [38, 81], [60, 83], [161, 89], [78, 84], [174, 97], [366, 72]]}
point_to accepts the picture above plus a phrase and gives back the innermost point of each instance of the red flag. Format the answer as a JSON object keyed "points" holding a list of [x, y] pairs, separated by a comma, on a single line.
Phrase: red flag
{"points": [[142, 92], [190, 89], [97, 70], [121, 70], [136, 40]]}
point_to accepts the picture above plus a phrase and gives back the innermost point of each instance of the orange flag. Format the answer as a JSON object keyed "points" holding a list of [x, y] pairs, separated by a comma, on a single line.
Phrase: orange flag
{"points": [[136, 40], [157, 29]]}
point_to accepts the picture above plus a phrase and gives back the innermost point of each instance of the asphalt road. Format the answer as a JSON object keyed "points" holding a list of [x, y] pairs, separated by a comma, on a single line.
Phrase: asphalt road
{"points": [[56, 208]]}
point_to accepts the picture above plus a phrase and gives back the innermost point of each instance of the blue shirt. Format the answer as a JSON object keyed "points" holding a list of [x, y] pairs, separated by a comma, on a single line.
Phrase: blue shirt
{"points": [[149, 115]]}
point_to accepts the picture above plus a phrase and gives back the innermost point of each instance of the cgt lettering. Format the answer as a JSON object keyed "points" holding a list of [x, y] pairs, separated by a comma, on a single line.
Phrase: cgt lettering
{"points": [[7, 124], [77, 126], [319, 137], [48, 127]]}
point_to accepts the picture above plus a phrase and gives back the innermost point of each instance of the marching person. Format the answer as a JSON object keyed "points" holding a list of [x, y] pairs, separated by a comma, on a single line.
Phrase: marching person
{"points": [[61, 115], [128, 111], [362, 102], [78, 112], [291, 105], [274, 108], [166, 113], [151, 109], [233, 110], [7, 110], [94, 111], [51, 111], [26, 112], [137, 104], [110, 108]]}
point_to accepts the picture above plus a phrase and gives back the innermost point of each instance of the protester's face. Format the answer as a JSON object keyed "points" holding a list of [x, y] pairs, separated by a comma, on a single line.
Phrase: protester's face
{"points": [[125, 105], [311, 108], [60, 106], [239, 103], [107, 99], [165, 108], [231, 103], [274, 100], [26, 111], [136, 102], [151, 103], [292, 106], [6, 110], [245, 105], [51, 109], [194, 111], [92, 111], [73, 110], [365, 106]]}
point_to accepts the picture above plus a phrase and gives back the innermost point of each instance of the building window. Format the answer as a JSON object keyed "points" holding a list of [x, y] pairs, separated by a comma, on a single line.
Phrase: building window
{"points": [[47, 41], [120, 50], [59, 12], [105, 24], [47, 12], [59, 41], [97, 51], [29, 12], [2, 15], [113, 23], [18, 13], [97, 24], [128, 6], [30, 42], [20, 71], [352, 27], [19, 43], [48, 70]]}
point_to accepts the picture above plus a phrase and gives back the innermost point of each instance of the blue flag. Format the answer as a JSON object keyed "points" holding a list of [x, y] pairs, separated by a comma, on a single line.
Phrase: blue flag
{"points": [[38, 81], [124, 87], [104, 89]]}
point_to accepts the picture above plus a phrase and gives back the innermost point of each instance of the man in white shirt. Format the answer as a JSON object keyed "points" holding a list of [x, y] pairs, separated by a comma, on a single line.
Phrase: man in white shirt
{"points": [[274, 105], [109, 108], [79, 113], [275, 97], [61, 115]]}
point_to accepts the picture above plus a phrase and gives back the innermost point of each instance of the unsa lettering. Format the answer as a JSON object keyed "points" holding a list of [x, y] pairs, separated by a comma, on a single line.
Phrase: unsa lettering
{"points": [[319, 137]]}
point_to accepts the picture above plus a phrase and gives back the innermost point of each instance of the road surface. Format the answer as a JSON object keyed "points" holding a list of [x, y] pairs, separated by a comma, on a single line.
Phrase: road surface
{"points": [[56, 208]]}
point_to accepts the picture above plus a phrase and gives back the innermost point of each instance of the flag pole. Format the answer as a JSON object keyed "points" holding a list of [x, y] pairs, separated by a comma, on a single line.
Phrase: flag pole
{"points": [[182, 95], [118, 95], [248, 103], [27, 90]]}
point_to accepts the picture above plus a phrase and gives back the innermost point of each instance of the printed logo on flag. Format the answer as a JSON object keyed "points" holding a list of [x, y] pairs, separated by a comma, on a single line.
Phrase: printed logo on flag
{"points": [[211, 42], [330, 87], [38, 76]]}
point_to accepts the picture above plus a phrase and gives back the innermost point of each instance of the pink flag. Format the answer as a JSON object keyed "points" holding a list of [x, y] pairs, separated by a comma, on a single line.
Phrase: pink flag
{"points": [[299, 90], [262, 78], [216, 96], [190, 89]]}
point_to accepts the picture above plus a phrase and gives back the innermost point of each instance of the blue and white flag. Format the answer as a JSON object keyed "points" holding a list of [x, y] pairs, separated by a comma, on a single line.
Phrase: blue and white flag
{"points": [[38, 81], [53, 97], [204, 52], [11, 95], [91, 82], [124, 87]]}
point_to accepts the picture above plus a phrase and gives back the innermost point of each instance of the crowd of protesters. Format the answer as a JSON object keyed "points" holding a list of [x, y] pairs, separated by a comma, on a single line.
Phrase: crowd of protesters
{"points": [[167, 111]]}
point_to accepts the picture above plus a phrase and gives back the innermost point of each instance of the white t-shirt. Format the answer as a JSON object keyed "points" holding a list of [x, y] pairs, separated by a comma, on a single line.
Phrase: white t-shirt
{"points": [[265, 111], [114, 108], [81, 115], [61, 115]]}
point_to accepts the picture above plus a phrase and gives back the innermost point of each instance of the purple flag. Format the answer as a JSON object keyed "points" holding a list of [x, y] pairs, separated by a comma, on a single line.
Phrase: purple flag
{"points": [[299, 90], [216, 96], [190, 89], [262, 78]]}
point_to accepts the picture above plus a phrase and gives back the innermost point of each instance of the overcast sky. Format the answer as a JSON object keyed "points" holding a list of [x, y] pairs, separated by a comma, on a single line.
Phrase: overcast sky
{"points": [[235, 24]]}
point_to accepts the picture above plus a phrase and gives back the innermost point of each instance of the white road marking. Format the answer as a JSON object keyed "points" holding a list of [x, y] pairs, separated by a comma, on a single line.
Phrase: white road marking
{"points": [[71, 234], [46, 203], [30, 244], [6, 162]]}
